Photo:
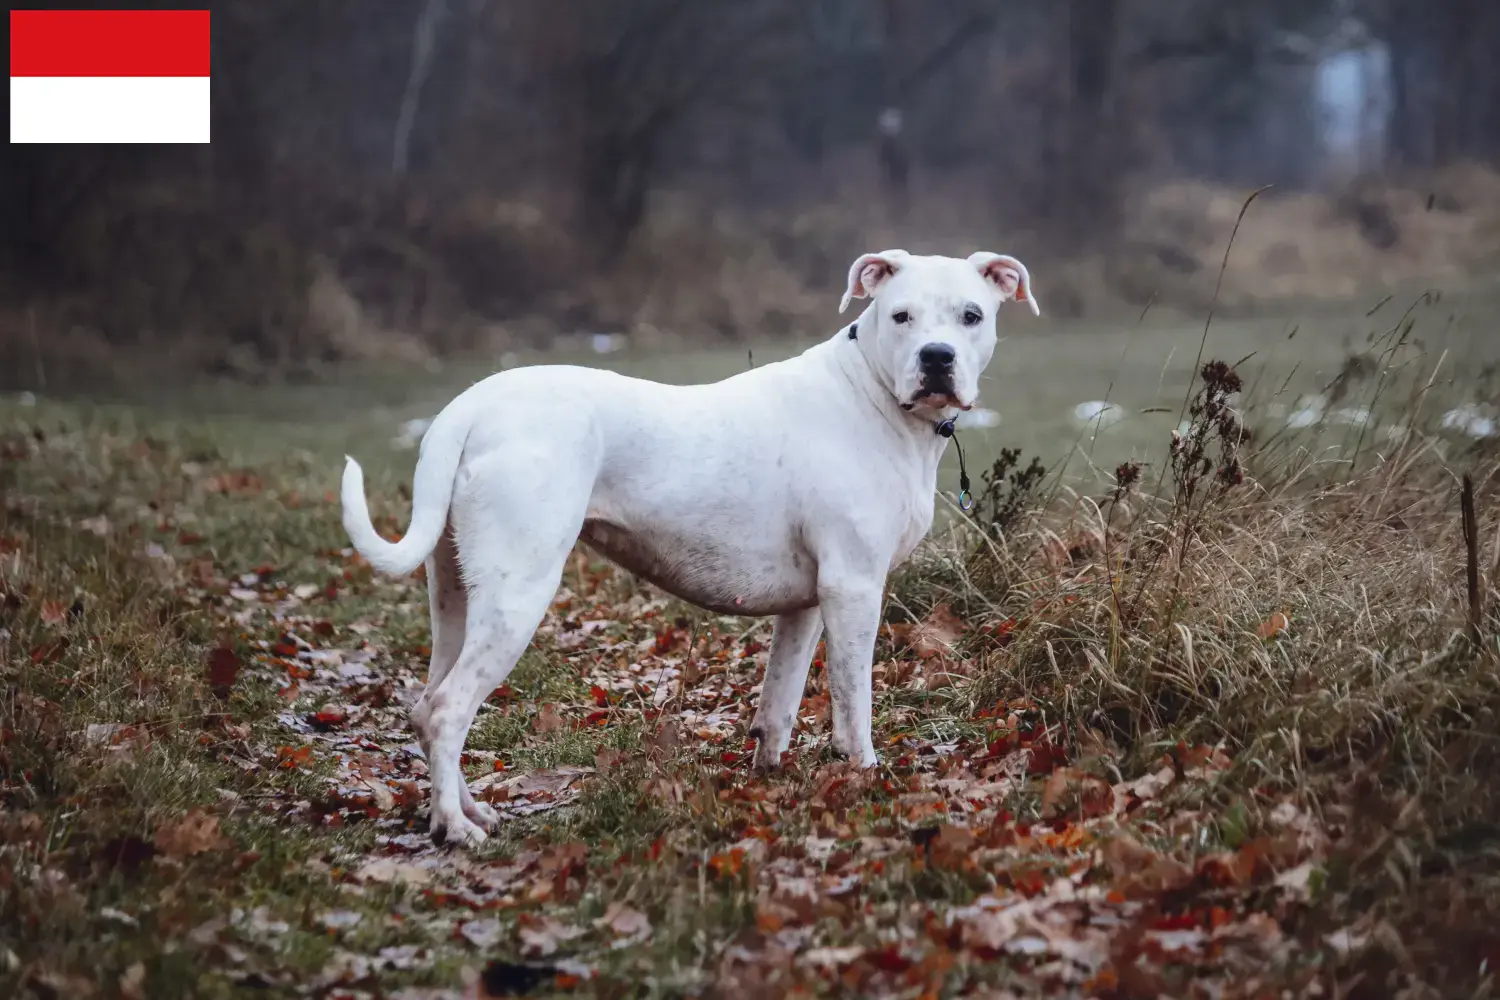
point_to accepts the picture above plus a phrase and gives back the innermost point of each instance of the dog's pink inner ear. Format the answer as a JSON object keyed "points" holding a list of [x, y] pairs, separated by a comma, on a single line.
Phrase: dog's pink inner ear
{"points": [[1005, 275], [867, 274], [872, 274], [1010, 276]]}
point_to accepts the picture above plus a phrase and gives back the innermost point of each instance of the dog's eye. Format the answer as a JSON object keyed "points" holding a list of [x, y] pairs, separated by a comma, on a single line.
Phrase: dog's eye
{"points": [[901, 316], [972, 316]]}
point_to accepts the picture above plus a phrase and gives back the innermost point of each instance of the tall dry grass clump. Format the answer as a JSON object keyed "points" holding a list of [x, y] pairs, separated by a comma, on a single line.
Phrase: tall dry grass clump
{"points": [[1310, 620]]}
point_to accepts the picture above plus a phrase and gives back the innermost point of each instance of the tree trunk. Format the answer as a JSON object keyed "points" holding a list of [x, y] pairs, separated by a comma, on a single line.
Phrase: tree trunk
{"points": [[1090, 157]]}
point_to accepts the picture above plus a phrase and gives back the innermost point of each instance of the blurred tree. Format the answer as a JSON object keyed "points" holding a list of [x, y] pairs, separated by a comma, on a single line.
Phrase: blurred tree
{"points": [[621, 79], [391, 144]]}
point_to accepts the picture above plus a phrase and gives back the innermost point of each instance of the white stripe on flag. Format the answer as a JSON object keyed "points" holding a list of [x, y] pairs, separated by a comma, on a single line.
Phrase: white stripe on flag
{"points": [[109, 109]]}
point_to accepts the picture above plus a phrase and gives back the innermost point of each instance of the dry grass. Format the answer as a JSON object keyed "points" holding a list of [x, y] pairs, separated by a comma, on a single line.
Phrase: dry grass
{"points": [[1341, 243], [1309, 619]]}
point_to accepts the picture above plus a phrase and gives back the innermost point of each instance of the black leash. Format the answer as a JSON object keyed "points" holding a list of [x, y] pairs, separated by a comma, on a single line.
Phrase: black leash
{"points": [[946, 429]]}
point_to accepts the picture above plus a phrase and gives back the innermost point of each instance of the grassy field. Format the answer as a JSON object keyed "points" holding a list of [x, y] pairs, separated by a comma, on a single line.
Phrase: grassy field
{"points": [[1231, 737], [1043, 369]]}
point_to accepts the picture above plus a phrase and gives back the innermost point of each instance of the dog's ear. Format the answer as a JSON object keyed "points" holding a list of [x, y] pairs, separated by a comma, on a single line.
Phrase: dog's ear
{"points": [[1007, 274], [869, 272]]}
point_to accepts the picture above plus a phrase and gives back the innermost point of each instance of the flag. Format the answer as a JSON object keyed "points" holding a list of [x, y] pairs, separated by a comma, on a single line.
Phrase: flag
{"points": [[109, 76]]}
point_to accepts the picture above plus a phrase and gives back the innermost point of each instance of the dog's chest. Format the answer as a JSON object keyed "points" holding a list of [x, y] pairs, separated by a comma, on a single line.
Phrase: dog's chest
{"points": [[917, 520]]}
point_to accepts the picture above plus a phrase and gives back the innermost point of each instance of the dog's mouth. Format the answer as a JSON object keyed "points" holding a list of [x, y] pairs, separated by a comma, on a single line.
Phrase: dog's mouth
{"points": [[936, 397]]}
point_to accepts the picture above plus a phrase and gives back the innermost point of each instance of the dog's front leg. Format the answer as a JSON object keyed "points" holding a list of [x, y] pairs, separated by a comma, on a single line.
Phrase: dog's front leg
{"points": [[793, 639], [851, 614]]}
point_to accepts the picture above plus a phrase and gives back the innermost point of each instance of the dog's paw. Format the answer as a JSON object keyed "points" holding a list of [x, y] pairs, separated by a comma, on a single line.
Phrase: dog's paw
{"points": [[769, 746], [766, 760], [458, 831], [483, 814], [767, 751], [861, 753]]}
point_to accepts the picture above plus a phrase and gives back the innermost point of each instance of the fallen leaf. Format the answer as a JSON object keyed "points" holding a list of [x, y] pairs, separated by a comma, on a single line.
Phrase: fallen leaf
{"points": [[405, 956], [952, 846], [235, 481], [548, 720], [832, 958], [195, 833], [546, 783], [1203, 761], [54, 612], [328, 718], [49, 652], [1146, 787], [1273, 626], [393, 870], [936, 634], [133, 981], [1139, 871], [666, 791], [223, 668], [1228, 868], [102, 733], [290, 757], [482, 934], [1299, 881], [1346, 941], [338, 920], [1093, 797], [665, 741], [1310, 838], [542, 935], [605, 758], [624, 922], [941, 672], [385, 799]]}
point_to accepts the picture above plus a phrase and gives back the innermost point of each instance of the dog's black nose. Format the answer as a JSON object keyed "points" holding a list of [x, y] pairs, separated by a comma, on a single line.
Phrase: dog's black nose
{"points": [[937, 355]]}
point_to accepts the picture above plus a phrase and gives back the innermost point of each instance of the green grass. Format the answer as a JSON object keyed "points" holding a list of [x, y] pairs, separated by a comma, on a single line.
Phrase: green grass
{"points": [[1041, 370], [1103, 640]]}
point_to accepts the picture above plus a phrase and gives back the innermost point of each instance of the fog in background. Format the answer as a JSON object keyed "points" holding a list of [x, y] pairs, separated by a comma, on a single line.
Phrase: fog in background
{"points": [[408, 179]]}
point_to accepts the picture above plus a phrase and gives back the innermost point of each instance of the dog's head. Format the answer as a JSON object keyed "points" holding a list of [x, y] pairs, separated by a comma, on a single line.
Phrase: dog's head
{"points": [[931, 329]]}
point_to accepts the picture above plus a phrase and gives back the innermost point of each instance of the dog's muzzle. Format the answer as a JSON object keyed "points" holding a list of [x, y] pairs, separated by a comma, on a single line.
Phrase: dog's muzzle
{"points": [[935, 363]]}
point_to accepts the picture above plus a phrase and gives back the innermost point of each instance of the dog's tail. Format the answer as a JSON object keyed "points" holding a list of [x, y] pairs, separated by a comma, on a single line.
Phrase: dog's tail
{"points": [[432, 491]]}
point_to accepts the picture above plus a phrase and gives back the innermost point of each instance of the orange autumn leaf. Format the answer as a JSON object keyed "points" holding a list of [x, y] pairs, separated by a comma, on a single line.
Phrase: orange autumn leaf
{"points": [[290, 757], [1094, 796], [730, 863], [549, 720], [194, 833], [1273, 626], [936, 634]]}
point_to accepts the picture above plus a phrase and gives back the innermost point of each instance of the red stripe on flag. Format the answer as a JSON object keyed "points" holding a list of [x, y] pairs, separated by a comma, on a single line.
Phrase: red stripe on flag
{"points": [[109, 43]]}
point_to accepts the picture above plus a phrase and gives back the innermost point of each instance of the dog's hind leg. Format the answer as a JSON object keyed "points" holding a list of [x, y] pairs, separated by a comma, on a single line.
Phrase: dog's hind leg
{"points": [[448, 604], [514, 536], [794, 637]]}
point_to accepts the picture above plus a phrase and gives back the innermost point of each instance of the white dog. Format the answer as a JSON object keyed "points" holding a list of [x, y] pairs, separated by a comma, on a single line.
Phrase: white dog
{"points": [[789, 490]]}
